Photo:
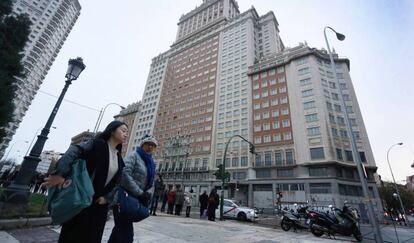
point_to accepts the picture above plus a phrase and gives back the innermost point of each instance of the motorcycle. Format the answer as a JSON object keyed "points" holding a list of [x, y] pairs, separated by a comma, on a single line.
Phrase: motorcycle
{"points": [[344, 222], [299, 220]]}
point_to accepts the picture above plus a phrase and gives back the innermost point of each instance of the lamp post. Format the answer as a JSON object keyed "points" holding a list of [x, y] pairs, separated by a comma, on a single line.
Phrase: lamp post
{"points": [[101, 114], [34, 137], [223, 172], [395, 184], [18, 191], [11, 148], [354, 147]]}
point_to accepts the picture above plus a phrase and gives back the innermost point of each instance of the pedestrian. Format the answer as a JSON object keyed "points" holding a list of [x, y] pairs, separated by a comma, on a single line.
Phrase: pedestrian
{"points": [[179, 201], [171, 200], [138, 180], [164, 199], [188, 202], [213, 202], [203, 200], [158, 191], [104, 164]]}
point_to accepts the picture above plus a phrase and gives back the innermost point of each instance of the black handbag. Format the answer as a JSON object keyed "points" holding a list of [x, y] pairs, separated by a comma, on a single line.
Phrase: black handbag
{"points": [[129, 207]]}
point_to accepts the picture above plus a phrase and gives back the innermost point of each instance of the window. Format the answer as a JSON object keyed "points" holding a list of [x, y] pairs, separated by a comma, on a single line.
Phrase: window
{"points": [[284, 111], [282, 89], [348, 155], [308, 105], [277, 137], [349, 109], [339, 154], [307, 93], [263, 173], [257, 128], [280, 69], [258, 139], [289, 157], [362, 156], [284, 100], [275, 113], [305, 81], [350, 190], [243, 161], [338, 108], [287, 136], [266, 115], [317, 153], [268, 159], [284, 172], [274, 102], [256, 106], [235, 162], [278, 158], [273, 91], [275, 125], [301, 61], [285, 123], [320, 188], [256, 117], [357, 135], [266, 127], [313, 131], [311, 117], [258, 160], [343, 133], [303, 71], [281, 79], [321, 171]]}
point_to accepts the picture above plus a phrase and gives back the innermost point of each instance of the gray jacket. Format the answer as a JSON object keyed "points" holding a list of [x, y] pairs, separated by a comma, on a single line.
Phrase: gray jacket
{"points": [[135, 175]]}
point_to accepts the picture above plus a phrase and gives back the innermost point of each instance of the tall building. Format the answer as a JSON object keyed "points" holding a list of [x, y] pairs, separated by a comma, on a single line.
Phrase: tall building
{"points": [[128, 116], [82, 137], [52, 21], [228, 73], [49, 159]]}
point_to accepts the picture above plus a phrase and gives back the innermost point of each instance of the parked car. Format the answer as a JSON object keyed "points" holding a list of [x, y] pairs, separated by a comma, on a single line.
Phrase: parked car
{"points": [[234, 211]]}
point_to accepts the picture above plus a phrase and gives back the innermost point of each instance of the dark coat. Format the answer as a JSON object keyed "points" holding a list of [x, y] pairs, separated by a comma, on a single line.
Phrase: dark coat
{"points": [[203, 200], [96, 154], [213, 200], [159, 188]]}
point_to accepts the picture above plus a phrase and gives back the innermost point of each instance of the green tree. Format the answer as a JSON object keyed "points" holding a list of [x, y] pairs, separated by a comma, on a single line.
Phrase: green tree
{"points": [[387, 191], [14, 32]]}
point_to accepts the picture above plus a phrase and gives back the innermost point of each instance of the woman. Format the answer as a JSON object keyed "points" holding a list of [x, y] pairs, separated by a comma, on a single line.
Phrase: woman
{"points": [[213, 202], [138, 181], [104, 164], [188, 202], [179, 201], [171, 200]]}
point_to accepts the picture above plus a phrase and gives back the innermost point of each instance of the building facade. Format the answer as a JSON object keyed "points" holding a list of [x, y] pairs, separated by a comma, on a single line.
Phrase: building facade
{"points": [[228, 73], [48, 161], [52, 21], [82, 137], [128, 116]]}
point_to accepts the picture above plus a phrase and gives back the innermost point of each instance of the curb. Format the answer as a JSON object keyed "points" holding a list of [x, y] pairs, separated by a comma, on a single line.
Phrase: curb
{"points": [[24, 222]]}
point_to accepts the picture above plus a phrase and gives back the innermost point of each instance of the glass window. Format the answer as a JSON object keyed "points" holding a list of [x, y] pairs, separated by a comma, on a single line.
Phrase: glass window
{"points": [[321, 171], [263, 173], [308, 104], [339, 154], [277, 137], [320, 188], [307, 93], [313, 131], [305, 81], [275, 125], [284, 172], [278, 158], [348, 155], [287, 136], [289, 157], [258, 159], [268, 159], [235, 162], [311, 117], [317, 153], [258, 139]]}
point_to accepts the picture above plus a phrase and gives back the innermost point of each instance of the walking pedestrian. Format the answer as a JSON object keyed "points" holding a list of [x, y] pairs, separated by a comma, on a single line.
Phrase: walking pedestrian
{"points": [[179, 201], [213, 202], [138, 181], [171, 200], [188, 202], [158, 191], [104, 164], [203, 200]]}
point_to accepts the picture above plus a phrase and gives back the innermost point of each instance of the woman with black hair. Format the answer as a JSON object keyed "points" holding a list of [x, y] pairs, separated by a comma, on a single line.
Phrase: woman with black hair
{"points": [[104, 163]]}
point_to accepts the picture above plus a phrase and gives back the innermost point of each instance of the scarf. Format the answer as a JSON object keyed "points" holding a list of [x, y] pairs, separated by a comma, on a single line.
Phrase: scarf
{"points": [[150, 164]]}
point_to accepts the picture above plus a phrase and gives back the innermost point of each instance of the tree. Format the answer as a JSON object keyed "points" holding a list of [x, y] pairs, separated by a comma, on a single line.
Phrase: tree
{"points": [[387, 191], [14, 33], [219, 173]]}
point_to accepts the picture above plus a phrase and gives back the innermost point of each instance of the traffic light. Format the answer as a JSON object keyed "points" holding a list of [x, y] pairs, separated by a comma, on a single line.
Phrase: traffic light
{"points": [[251, 149], [219, 173]]}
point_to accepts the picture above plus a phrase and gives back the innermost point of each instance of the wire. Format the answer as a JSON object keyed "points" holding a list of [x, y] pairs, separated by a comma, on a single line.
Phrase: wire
{"points": [[69, 101]]}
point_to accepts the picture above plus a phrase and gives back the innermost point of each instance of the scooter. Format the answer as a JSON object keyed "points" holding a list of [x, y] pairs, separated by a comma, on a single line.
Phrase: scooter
{"points": [[299, 220], [343, 222]]}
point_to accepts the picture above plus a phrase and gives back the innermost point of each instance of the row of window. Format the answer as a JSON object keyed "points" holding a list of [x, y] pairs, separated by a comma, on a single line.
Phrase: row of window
{"points": [[273, 102], [277, 137], [273, 125], [275, 113]]}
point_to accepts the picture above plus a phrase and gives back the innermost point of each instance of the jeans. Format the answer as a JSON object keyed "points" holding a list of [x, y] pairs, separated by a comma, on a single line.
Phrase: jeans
{"points": [[154, 205], [123, 231]]}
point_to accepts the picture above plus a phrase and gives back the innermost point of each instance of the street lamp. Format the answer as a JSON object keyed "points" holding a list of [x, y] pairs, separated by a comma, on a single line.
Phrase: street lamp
{"points": [[34, 137], [395, 184], [101, 114], [18, 191], [354, 147], [223, 172], [11, 148]]}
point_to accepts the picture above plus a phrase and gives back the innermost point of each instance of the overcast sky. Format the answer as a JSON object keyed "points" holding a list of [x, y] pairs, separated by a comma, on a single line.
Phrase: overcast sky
{"points": [[118, 39]]}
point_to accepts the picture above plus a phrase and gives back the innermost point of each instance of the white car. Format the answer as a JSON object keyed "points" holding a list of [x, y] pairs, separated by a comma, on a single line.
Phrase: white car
{"points": [[232, 210]]}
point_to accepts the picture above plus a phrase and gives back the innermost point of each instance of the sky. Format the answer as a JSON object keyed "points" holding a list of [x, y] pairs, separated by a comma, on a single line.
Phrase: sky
{"points": [[118, 39]]}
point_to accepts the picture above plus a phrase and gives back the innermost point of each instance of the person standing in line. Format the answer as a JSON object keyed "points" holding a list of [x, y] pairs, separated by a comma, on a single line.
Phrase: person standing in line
{"points": [[179, 201], [104, 164], [158, 191], [213, 202], [188, 202], [203, 200], [171, 200]]}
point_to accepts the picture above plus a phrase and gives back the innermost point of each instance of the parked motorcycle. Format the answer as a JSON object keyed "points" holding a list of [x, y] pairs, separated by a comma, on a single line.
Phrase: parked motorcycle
{"points": [[299, 220], [343, 222]]}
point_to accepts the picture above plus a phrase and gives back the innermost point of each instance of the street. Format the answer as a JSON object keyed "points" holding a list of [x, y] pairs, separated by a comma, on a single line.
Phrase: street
{"points": [[172, 229]]}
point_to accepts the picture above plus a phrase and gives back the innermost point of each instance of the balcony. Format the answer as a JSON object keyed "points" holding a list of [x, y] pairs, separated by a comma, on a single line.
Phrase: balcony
{"points": [[275, 164]]}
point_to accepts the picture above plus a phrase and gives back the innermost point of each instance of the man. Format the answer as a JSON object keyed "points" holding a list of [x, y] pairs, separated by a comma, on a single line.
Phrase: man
{"points": [[203, 203], [158, 191]]}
